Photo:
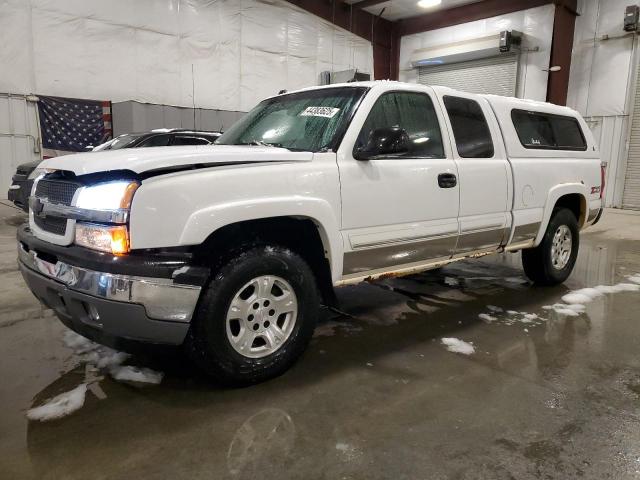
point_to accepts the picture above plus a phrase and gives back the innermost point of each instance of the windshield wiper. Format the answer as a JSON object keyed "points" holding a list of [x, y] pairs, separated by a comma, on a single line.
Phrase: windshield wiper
{"points": [[254, 143], [262, 143]]}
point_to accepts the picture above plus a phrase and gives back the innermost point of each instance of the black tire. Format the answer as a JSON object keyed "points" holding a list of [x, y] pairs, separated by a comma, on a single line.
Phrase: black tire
{"points": [[537, 262], [207, 343]]}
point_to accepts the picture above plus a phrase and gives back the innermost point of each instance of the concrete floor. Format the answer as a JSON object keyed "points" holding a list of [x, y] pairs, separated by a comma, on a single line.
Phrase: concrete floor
{"points": [[377, 396]]}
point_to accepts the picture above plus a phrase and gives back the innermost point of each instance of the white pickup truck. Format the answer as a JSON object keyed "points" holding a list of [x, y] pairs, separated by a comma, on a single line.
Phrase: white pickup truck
{"points": [[230, 249]]}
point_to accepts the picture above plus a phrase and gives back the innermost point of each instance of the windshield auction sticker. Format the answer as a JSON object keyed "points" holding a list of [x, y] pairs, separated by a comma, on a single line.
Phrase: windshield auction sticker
{"points": [[327, 112]]}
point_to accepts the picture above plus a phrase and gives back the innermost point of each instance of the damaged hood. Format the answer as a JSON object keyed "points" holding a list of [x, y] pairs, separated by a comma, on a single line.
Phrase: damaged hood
{"points": [[141, 160]]}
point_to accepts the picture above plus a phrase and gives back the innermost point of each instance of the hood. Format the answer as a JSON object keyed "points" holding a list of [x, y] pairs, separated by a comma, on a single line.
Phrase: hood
{"points": [[141, 160]]}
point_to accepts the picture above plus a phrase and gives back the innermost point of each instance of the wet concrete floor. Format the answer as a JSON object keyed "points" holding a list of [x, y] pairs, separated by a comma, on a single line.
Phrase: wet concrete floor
{"points": [[377, 395]]}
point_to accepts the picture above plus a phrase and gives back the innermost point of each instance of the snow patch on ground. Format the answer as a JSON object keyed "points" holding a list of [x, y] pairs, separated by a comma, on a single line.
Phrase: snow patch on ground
{"points": [[572, 310], [78, 343], [587, 295], [487, 318], [510, 317], [96, 357], [130, 373], [93, 353], [110, 358], [60, 406], [576, 300], [456, 345], [582, 296]]}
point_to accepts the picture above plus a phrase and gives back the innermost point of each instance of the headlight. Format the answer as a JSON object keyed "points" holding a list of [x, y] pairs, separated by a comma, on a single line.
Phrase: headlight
{"points": [[116, 195], [107, 196], [106, 238]]}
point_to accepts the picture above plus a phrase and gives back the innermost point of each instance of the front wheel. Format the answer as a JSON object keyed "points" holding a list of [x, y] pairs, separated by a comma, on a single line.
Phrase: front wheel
{"points": [[551, 262], [256, 316]]}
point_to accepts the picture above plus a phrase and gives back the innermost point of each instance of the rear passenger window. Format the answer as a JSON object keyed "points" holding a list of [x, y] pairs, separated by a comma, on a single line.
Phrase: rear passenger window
{"points": [[548, 131], [470, 129]]}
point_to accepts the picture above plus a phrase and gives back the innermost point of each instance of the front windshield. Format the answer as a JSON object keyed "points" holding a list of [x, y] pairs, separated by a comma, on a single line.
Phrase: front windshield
{"points": [[308, 121]]}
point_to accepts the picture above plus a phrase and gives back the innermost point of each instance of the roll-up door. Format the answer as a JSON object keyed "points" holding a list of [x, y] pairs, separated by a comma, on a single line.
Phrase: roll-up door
{"points": [[497, 75], [631, 195]]}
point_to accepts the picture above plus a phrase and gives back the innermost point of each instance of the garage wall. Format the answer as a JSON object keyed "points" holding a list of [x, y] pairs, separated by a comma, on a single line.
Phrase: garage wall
{"points": [[601, 84], [239, 51], [535, 23], [19, 137], [140, 117]]}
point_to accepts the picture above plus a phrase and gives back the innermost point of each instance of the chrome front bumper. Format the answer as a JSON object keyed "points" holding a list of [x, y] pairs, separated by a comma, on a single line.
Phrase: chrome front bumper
{"points": [[162, 298]]}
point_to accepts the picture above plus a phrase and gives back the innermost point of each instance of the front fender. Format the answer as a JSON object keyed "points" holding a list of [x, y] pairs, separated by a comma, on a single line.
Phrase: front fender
{"points": [[206, 221], [185, 208], [555, 193]]}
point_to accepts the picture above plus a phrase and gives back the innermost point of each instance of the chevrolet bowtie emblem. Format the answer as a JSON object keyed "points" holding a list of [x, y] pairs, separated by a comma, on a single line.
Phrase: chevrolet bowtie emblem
{"points": [[37, 206]]}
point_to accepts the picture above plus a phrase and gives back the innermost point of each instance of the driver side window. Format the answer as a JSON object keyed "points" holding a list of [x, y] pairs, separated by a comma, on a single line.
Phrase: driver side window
{"points": [[411, 111]]}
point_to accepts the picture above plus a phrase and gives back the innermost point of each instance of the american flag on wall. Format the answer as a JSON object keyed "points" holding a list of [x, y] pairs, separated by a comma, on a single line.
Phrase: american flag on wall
{"points": [[69, 125]]}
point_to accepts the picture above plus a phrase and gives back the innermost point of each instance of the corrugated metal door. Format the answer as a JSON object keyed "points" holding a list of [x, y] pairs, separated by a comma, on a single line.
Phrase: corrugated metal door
{"points": [[19, 136], [497, 75], [631, 195]]}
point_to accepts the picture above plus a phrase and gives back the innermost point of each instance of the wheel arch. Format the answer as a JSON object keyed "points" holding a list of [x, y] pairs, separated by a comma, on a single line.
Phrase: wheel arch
{"points": [[569, 195], [301, 234]]}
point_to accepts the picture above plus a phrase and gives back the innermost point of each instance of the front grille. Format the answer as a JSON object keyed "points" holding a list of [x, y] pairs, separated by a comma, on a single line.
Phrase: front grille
{"points": [[56, 225], [56, 191]]}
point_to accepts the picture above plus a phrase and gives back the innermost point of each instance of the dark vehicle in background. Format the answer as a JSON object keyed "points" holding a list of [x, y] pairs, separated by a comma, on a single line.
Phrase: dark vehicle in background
{"points": [[159, 138], [22, 181]]}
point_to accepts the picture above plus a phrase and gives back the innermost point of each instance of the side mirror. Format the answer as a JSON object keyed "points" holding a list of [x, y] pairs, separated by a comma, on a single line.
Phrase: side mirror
{"points": [[389, 141]]}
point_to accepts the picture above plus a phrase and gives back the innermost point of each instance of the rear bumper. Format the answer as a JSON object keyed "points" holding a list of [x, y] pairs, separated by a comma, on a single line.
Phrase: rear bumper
{"points": [[108, 306]]}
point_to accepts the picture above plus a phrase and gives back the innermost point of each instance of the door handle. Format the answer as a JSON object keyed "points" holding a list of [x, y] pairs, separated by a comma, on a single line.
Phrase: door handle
{"points": [[447, 180]]}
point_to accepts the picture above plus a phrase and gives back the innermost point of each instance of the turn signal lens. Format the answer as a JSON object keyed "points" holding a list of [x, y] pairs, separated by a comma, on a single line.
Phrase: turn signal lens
{"points": [[110, 239], [119, 240], [127, 197]]}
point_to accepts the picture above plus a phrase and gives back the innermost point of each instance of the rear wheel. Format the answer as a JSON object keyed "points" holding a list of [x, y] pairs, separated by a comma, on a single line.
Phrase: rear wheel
{"points": [[551, 262], [255, 317]]}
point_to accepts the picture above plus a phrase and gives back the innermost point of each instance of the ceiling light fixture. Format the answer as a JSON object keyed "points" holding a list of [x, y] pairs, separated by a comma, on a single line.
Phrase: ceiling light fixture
{"points": [[429, 3]]}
